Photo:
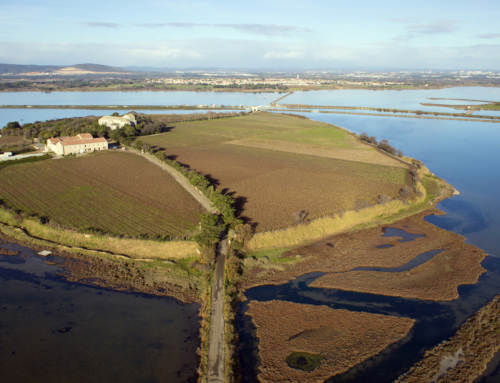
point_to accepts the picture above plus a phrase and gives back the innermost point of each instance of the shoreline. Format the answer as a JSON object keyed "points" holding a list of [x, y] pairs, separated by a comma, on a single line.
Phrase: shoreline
{"points": [[113, 271], [105, 273]]}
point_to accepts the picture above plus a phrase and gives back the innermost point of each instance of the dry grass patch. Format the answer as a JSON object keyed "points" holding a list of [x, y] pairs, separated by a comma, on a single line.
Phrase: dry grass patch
{"points": [[437, 279], [133, 248], [343, 338], [348, 250]]}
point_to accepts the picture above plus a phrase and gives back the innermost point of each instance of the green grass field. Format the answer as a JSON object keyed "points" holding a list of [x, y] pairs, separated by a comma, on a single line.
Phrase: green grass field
{"points": [[193, 133]]}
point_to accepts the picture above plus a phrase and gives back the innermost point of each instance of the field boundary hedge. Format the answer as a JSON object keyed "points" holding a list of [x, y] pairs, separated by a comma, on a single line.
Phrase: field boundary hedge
{"points": [[223, 204]]}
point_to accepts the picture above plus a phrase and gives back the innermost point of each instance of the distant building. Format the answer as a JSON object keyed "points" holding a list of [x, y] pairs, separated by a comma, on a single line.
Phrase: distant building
{"points": [[5, 155], [113, 122], [255, 108], [82, 143]]}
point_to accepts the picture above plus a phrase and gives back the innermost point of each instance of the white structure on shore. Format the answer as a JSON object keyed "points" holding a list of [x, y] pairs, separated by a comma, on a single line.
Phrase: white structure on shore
{"points": [[113, 122], [82, 143]]}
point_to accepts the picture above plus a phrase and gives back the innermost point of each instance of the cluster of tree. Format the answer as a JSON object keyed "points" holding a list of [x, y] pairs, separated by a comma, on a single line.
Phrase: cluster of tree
{"points": [[383, 144], [15, 85], [12, 129], [55, 128], [146, 125]]}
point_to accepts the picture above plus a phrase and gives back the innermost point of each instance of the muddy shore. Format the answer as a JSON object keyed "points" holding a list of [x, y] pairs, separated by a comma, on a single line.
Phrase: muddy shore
{"points": [[343, 338], [117, 275]]}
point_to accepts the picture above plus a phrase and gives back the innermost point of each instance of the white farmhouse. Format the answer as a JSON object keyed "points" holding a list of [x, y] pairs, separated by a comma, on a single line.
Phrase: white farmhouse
{"points": [[82, 143], [113, 122]]}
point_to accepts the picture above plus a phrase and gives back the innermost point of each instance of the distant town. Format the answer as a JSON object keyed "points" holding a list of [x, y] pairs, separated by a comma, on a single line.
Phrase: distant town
{"points": [[100, 77]]}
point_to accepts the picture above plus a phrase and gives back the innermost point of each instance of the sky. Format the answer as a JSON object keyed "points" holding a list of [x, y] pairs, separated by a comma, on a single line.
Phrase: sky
{"points": [[274, 34]]}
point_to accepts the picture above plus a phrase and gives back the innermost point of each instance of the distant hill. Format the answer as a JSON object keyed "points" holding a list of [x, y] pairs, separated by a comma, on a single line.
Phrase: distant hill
{"points": [[16, 69], [100, 68], [73, 69]]}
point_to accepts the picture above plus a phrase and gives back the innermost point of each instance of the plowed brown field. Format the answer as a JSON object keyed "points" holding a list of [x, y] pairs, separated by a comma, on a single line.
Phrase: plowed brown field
{"points": [[271, 183], [270, 186], [115, 192]]}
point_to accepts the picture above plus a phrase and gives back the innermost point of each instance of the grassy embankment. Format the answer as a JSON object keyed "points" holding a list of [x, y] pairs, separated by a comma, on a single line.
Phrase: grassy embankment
{"points": [[492, 106], [412, 113]]}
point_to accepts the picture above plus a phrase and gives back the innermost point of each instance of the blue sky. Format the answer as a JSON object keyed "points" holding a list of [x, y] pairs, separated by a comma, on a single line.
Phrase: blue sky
{"points": [[269, 34]]}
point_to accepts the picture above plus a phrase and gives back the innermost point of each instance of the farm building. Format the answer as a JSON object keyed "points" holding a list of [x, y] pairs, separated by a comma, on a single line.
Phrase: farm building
{"points": [[113, 122], [82, 143]]}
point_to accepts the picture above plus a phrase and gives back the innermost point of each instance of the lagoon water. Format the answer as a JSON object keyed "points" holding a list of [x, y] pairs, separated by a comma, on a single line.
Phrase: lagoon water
{"points": [[56, 331], [137, 98], [464, 153], [404, 99]]}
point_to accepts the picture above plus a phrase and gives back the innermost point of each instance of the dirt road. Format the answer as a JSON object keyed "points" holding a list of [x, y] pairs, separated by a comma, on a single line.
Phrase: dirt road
{"points": [[216, 342], [181, 180]]}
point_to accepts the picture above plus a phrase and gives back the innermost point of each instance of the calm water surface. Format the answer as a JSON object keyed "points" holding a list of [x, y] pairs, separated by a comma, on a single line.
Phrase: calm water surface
{"points": [[55, 331], [406, 99], [137, 98]]}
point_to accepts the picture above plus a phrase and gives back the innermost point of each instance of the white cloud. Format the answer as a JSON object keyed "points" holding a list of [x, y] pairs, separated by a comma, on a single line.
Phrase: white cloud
{"points": [[254, 29], [250, 54], [489, 36]]}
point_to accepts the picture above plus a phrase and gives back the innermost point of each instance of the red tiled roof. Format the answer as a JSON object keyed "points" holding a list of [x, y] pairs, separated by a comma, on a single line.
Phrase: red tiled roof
{"points": [[84, 142], [84, 136], [81, 139]]}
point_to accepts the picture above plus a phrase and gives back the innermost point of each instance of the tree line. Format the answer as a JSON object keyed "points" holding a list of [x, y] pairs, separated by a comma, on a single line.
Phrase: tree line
{"points": [[145, 125], [383, 144]]}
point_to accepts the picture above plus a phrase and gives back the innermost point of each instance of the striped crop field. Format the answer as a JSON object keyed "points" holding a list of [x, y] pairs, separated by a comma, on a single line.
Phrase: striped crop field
{"points": [[276, 165], [118, 193]]}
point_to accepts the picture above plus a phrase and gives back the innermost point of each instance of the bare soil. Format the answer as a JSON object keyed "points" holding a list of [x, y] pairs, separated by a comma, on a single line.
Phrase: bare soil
{"points": [[344, 338], [269, 186], [13, 140]]}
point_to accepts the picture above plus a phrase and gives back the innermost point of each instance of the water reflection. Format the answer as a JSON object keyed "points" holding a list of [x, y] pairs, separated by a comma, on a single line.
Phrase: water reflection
{"points": [[58, 331]]}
